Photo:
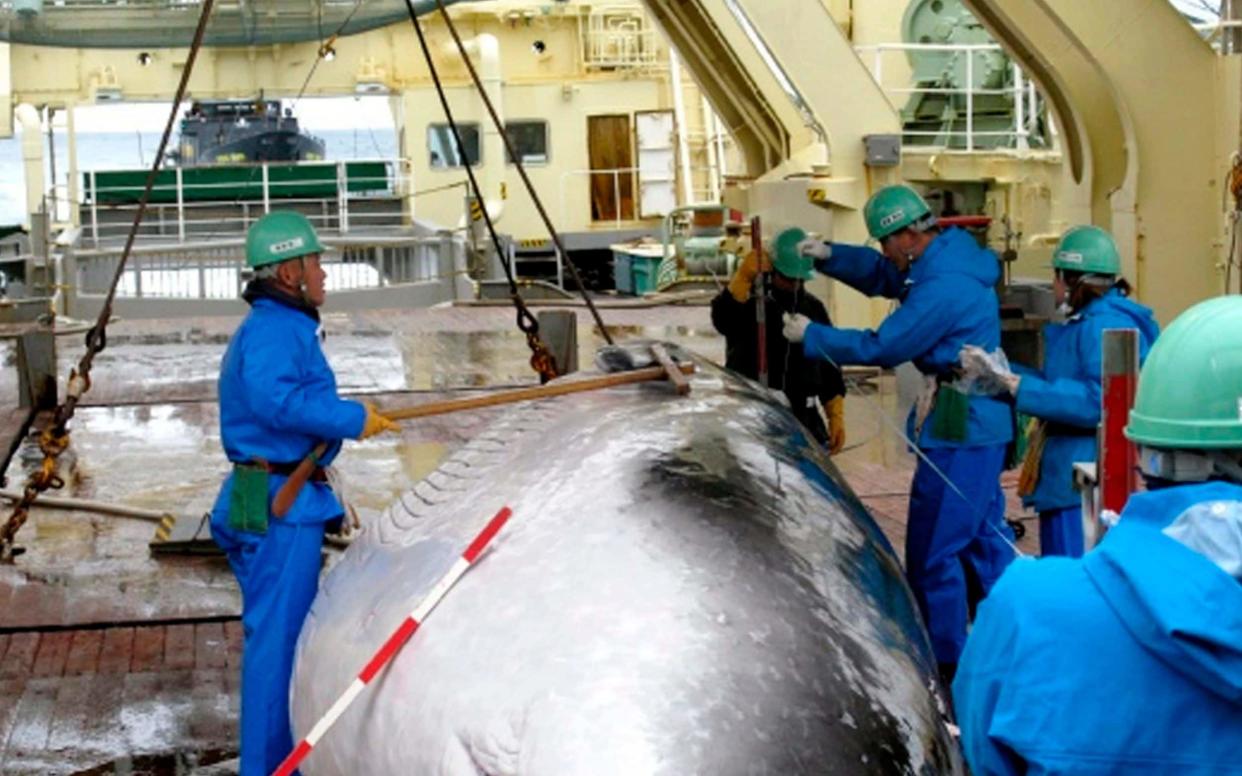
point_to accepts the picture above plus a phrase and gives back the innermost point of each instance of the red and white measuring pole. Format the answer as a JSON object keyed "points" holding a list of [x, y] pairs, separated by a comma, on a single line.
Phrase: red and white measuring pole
{"points": [[1118, 475], [394, 643]]}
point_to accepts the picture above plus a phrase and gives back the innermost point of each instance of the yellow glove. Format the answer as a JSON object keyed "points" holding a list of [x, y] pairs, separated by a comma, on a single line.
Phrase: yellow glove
{"points": [[744, 278], [835, 410], [376, 423]]}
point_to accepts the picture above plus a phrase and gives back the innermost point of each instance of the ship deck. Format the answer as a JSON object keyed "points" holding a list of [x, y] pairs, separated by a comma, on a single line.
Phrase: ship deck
{"points": [[116, 660]]}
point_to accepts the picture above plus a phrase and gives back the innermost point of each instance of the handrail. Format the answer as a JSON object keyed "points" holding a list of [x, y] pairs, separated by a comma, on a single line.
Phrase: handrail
{"points": [[351, 182], [1023, 92]]}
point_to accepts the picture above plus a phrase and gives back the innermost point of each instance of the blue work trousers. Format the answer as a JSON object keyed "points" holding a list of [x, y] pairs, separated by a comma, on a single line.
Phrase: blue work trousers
{"points": [[1060, 532], [279, 574], [957, 544]]}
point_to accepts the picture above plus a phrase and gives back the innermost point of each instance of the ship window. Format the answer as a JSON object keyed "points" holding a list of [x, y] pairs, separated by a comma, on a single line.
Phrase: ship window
{"points": [[529, 140], [443, 151]]}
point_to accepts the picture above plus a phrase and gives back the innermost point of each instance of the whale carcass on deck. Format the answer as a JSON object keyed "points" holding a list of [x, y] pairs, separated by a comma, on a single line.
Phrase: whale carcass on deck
{"points": [[686, 586]]}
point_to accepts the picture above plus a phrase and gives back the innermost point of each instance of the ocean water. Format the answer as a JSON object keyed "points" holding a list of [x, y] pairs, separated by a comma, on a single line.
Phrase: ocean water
{"points": [[125, 150]]}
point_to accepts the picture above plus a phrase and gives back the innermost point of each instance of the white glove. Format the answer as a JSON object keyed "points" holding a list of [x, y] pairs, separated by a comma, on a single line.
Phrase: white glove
{"points": [[989, 372], [795, 326], [816, 249]]}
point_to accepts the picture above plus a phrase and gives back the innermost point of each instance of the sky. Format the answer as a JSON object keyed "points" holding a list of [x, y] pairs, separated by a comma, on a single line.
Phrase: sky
{"points": [[1208, 10]]}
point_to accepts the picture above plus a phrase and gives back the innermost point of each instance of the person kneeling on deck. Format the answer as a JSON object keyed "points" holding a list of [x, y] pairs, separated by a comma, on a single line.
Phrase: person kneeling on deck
{"points": [[1129, 659], [278, 401], [805, 383], [1065, 396], [957, 542]]}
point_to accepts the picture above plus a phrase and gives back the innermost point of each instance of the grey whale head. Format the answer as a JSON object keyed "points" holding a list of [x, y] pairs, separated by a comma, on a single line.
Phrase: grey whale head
{"points": [[686, 586]]}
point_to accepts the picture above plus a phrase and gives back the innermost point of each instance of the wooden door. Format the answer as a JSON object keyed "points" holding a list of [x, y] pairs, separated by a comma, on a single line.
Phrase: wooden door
{"points": [[610, 148]]}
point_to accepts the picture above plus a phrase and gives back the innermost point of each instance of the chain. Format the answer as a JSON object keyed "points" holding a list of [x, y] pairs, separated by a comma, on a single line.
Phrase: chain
{"points": [[55, 439], [541, 359], [511, 153]]}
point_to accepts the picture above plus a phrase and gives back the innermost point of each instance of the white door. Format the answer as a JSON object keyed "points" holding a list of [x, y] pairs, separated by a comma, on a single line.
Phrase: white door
{"points": [[657, 162]]}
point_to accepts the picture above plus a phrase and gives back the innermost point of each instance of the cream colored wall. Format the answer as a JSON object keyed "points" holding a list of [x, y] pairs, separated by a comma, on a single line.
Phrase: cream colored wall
{"points": [[6, 91], [565, 107]]}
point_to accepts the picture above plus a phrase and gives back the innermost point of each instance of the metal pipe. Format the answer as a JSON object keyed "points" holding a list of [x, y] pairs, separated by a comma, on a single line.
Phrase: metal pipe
{"points": [[75, 195], [1019, 123], [94, 209], [970, 102], [679, 118], [53, 208], [86, 505], [181, 201], [712, 130]]}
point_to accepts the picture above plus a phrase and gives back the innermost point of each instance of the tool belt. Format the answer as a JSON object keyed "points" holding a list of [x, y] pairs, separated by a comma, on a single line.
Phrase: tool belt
{"points": [[946, 405], [249, 502], [285, 469]]}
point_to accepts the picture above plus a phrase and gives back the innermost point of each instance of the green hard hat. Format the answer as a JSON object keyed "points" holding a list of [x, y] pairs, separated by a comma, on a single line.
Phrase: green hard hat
{"points": [[280, 236], [1087, 249], [892, 209], [1190, 390], [786, 259]]}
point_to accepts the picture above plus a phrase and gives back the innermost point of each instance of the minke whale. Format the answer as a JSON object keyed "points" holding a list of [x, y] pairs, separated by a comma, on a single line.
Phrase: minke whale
{"points": [[687, 586]]}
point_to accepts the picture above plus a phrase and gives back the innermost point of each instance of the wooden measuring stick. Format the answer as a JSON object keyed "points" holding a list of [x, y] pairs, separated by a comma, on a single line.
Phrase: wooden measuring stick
{"points": [[288, 492], [670, 369], [540, 392]]}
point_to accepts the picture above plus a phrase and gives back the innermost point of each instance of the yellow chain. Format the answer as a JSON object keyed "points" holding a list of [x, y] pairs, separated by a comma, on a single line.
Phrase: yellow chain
{"points": [[52, 442]]}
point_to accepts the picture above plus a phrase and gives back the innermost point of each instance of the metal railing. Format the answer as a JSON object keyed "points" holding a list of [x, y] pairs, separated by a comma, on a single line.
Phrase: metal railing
{"points": [[1026, 100], [205, 210], [619, 38], [617, 219], [636, 181], [216, 270]]}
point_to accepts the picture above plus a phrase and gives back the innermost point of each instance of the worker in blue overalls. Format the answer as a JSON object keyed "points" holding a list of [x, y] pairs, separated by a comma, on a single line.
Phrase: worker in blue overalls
{"points": [[957, 541], [278, 402], [1065, 395], [1128, 660]]}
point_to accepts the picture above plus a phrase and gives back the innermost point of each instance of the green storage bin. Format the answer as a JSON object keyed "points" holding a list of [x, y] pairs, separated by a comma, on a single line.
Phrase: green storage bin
{"points": [[646, 271]]}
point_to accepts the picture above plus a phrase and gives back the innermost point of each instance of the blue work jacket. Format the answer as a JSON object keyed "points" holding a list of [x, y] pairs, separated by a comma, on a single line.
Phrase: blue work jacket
{"points": [[278, 401], [947, 300], [1125, 661], [1067, 392]]}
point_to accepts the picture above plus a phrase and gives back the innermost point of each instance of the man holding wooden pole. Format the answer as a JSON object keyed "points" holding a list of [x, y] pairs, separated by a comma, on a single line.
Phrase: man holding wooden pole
{"points": [[278, 405]]}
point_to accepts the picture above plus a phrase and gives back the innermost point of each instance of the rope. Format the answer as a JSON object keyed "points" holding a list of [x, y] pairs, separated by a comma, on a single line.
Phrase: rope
{"points": [[55, 439], [974, 508], [517, 162], [541, 359], [325, 47]]}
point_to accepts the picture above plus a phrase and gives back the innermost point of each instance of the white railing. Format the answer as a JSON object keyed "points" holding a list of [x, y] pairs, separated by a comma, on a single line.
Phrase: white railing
{"points": [[217, 271], [188, 216], [619, 37], [1026, 100], [617, 219]]}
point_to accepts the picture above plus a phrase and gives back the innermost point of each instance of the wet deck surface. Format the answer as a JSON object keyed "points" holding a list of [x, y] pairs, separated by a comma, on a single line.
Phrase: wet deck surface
{"points": [[78, 691]]}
